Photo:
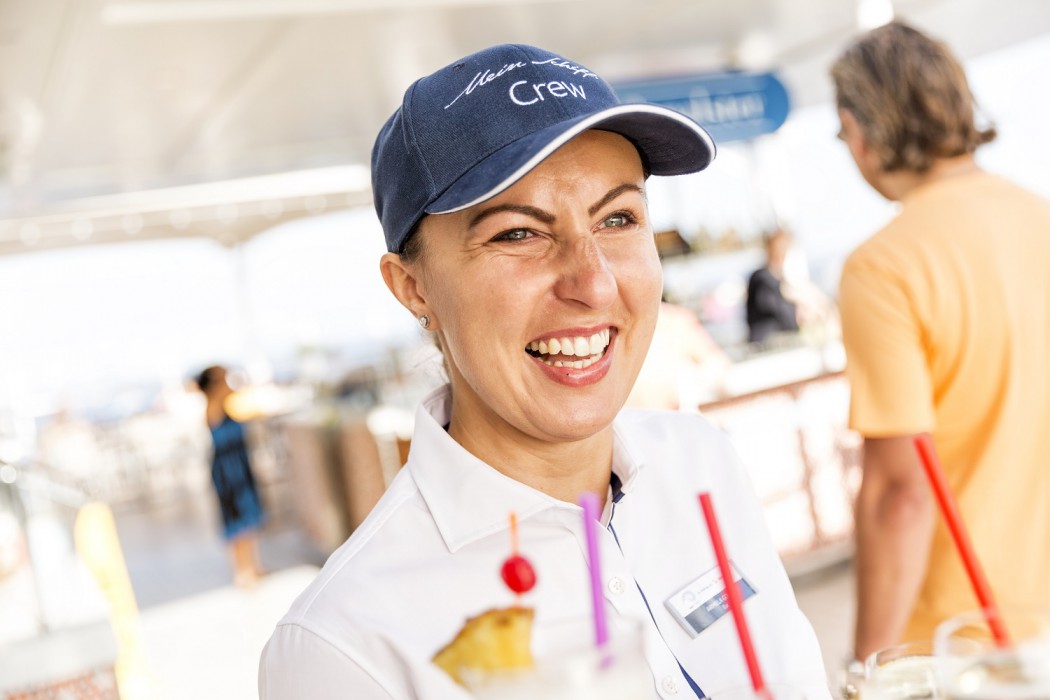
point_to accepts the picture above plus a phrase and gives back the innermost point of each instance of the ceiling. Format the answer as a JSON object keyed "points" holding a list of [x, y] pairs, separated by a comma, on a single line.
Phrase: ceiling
{"points": [[113, 112]]}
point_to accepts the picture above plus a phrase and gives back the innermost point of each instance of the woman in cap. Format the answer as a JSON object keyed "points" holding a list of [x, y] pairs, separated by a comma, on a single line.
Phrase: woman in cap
{"points": [[511, 189]]}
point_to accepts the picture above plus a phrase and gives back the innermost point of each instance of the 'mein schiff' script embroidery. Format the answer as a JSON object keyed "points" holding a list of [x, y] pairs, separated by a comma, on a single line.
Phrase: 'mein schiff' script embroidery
{"points": [[484, 78], [555, 88], [562, 63]]}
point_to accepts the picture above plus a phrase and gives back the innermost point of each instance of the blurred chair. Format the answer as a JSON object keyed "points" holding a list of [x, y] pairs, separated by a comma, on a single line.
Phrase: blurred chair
{"points": [[338, 469], [362, 469], [315, 482]]}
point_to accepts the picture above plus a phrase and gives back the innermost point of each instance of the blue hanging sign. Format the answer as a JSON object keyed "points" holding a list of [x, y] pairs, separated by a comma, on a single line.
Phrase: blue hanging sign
{"points": [[732, 106]]}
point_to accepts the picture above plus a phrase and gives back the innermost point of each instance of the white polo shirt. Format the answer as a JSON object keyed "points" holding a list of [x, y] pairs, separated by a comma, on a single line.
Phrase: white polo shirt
{"points": [[429, 554]]}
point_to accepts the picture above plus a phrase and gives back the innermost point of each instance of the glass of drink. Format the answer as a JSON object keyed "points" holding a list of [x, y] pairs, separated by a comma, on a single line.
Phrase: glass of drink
{"points": [[902, 672], [570, 667], [975, 666], [774, 691]]}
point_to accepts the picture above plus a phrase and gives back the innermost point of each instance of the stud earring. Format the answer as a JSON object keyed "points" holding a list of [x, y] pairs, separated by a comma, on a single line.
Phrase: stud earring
{"points": [[424, 321]]}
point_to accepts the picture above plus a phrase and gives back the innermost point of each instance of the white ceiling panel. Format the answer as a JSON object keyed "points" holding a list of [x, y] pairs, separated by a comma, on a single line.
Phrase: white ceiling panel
{"points": [[100, 97]]}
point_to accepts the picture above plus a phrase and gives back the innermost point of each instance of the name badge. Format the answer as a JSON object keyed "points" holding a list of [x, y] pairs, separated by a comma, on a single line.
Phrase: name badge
{"points": [[700, 603]]}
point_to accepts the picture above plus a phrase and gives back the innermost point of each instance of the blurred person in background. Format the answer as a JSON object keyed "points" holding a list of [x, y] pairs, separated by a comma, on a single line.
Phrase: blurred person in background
{"points": [[527, 250], [946, 324], [231, 475], [683, 363], [769, 311]]}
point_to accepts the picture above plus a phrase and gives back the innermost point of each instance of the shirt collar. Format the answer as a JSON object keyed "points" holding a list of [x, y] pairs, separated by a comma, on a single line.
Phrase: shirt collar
{"points": [[469, 499]]}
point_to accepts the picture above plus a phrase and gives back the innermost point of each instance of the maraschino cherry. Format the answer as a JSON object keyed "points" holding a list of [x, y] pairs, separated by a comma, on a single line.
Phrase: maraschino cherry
{"points": [[516, 571]]}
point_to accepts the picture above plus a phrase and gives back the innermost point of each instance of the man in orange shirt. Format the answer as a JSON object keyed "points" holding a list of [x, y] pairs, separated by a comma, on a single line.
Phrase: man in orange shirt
{"points": [[946, 322]]}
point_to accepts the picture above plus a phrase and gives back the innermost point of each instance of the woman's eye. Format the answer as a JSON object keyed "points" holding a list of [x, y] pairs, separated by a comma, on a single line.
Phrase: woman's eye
{"points": [[618, 220], [514, 234]]}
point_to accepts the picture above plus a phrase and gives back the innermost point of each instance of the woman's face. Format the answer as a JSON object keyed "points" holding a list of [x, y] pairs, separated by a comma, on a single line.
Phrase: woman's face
{"points": [[218, 383], [546, 296]]}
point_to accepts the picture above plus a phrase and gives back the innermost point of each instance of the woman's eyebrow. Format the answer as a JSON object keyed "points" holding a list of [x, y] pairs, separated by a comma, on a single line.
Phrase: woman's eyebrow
{"points": [[534, 212], [545, 216], [613, 194]]}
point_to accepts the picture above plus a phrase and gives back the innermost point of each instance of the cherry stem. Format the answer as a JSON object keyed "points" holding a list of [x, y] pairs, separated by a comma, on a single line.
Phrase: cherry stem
{"points": [[514, 534]]}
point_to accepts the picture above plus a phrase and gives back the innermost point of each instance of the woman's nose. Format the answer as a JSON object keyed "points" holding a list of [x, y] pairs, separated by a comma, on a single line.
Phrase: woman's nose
{"points": [[586, 276]]}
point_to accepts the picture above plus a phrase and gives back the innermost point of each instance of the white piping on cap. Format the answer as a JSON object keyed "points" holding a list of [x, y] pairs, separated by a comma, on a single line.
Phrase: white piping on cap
{"points": [[573, 131]]}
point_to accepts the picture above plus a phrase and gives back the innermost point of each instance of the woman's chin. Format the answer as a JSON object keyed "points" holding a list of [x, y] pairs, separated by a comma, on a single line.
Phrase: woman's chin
{"points": [[573, 423]]}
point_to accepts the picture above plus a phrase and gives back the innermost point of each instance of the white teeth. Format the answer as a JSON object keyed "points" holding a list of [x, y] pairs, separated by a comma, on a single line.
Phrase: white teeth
{"points": [[597, 344], [575, 364], [591, 347]]}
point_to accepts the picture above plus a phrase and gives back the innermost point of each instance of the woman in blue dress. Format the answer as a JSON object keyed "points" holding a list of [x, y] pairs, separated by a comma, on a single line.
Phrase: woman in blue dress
{"points": [[231, 475]]}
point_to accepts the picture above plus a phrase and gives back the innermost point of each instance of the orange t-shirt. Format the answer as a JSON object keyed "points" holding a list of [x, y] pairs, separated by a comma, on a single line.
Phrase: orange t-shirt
{"points": [[946, 323]]}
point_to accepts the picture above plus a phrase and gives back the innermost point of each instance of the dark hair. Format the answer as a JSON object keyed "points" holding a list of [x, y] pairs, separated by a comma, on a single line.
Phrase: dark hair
{"points": [[206, 378], [910, 96], [412, 249]]}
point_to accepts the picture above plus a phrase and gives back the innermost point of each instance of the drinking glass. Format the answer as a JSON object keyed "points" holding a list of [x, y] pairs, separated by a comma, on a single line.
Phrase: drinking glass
{"points": [[902, 672], [570, 667], [774, 691], [974, 666]]}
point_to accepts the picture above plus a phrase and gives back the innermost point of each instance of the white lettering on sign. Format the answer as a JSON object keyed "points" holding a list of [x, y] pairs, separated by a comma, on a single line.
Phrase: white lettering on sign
{"points": [[484, 78], [554, 88], [727, 108]]}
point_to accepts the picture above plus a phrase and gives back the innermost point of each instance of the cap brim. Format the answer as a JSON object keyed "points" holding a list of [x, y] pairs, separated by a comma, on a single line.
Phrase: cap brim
{"points": [[671, 143]]}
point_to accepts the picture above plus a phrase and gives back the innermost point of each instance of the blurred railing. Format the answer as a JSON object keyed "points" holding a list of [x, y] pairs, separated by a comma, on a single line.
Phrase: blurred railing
{"points": [[803, 461], [55, 633], [148, 458]]}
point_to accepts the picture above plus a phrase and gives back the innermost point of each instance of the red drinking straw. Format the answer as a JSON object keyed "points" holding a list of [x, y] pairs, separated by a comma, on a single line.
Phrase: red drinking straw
{"points": [[950, 510], [736, 602]]}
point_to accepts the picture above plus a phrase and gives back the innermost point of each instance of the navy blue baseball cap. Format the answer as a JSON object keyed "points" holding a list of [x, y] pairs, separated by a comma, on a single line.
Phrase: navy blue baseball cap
{"points": [[474, 128]]}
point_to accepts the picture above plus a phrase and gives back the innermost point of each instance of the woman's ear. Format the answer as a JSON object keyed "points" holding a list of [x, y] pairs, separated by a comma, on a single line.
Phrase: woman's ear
{"points": [[404, 283]]}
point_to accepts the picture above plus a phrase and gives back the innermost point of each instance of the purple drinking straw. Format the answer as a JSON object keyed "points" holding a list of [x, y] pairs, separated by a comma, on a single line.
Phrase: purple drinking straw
{"points": [[589, 503]]}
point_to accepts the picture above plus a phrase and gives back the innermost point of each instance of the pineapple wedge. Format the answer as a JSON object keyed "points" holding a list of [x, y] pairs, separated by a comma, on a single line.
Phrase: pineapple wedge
{"points": [[495, 640]]}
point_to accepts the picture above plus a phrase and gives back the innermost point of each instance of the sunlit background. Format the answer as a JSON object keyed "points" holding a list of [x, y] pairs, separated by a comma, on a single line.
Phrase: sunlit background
{"points": [[185, 183]]}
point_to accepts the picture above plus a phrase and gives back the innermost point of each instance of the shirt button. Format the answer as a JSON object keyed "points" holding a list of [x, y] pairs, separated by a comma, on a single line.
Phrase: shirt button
{"points": [[616, 585], [669, 685]]}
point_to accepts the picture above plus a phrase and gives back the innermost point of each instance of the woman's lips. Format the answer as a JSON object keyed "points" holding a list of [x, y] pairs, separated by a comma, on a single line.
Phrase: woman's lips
{"points": [[582, 368]]}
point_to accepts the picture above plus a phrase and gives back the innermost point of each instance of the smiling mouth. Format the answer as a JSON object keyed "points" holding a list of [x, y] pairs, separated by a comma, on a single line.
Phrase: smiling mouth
{"points": [[576, 352]]}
